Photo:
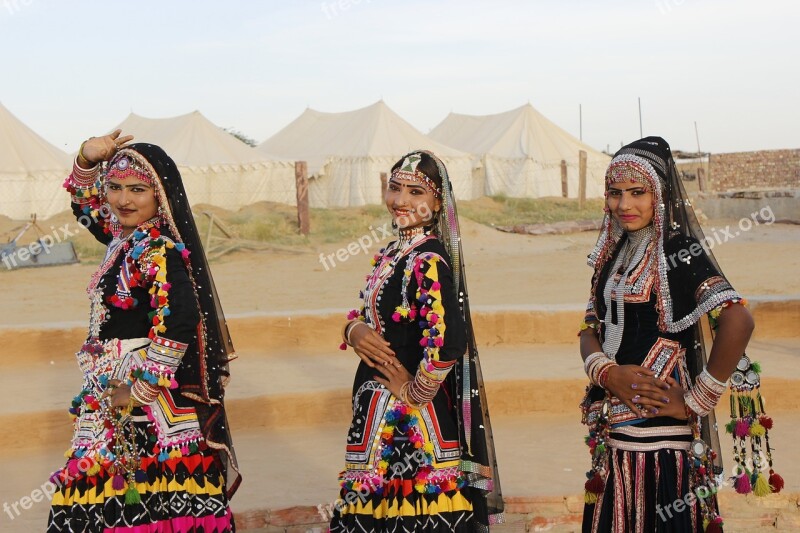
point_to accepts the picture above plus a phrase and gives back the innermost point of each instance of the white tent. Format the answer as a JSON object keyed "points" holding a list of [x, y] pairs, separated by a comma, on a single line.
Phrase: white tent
{"points": [[521, 152], [346, 152], [31, 172], [216, 168]]}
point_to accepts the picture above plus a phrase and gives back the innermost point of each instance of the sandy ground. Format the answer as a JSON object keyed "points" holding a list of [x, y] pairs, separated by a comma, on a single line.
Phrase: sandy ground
{"points": [[503, 271]]}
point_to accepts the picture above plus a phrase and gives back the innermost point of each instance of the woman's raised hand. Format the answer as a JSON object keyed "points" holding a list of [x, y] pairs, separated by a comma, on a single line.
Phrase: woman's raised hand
{"points": [[370, 346], [96, 149]]}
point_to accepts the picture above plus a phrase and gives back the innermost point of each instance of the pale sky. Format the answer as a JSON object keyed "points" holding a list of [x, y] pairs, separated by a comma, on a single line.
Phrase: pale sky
{"points": [[75, 69]]}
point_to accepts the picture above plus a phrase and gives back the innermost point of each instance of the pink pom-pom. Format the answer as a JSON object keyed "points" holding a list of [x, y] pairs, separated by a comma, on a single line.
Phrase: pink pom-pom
{"points": [[423, 312], [412, 313], [343, 346], [72, 468], [433, 318], [184, 450], [173, 384], [352, 315], [185, 253], [423, 341], [742, 484], [436, 286], [438, 341], [742, 428], [166, 286], [396, 317]]}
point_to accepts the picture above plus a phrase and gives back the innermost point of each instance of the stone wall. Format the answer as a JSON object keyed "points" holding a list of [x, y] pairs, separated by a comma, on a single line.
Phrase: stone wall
{"points": [[754, 170]]}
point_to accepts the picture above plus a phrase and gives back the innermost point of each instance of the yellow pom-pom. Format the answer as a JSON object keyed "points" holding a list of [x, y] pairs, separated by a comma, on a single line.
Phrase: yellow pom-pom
{"points": [[175, 453], [68, 453], [589, 497], [761, 488], [757, 430], [420, 487], [428, 447]]}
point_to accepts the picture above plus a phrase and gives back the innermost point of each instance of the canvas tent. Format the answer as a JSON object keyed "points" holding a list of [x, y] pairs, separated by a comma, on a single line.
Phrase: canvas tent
{"points": [[521, 153], [31, 172], [216, 168], [346, 152]]}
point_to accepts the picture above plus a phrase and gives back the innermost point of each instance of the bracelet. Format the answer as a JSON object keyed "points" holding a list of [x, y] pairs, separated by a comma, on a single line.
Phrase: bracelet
{"points": [[81, 156], [597, 366], [704, 396], [404, 395], [144, 393], [348, 329]]}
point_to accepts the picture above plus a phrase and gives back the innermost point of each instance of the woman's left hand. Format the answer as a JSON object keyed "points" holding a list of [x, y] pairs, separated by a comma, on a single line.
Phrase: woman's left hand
{"points": [[395, 375], [676, 407], [119, 393]]}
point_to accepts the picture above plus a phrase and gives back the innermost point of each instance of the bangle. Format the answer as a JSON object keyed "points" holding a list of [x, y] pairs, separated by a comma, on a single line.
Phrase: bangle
{"points": [[704, 396], [347, 329], [81, 156], [597, 366], [404, 395]]}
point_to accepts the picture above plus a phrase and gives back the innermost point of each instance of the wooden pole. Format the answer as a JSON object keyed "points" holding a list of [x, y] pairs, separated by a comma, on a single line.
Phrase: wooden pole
{"points": [[564, 184], [384, 184], [301, 184], [701, 179], [581, 178]]}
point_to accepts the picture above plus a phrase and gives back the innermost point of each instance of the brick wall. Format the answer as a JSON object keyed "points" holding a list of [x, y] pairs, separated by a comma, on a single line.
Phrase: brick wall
{"points": [[754, 170]]}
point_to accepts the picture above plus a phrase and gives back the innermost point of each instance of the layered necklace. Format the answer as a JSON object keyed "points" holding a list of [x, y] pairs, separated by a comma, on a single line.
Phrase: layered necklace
{"points": [[617, 286]]}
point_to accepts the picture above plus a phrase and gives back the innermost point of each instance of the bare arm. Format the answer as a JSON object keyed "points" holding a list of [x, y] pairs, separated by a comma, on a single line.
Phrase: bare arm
{"points": [[734, 327]]}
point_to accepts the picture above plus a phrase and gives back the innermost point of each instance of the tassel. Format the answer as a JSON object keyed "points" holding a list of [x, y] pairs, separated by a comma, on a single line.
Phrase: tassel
{"points": [[595, 484], [761, 487], [742, 484], [118, 482], [775, 481], [765, 421], [742, 428], [140, 476], [757, 430], [589, 498], [715, 526], [132, 496]]}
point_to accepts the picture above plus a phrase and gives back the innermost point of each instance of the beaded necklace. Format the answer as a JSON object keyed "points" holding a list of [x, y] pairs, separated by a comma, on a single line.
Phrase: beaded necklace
{"points": [[385, 262]]}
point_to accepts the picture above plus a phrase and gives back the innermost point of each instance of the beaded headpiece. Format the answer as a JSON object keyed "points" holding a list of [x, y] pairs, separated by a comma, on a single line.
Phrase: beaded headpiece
{"points": [[126, 164], [408, 170]]}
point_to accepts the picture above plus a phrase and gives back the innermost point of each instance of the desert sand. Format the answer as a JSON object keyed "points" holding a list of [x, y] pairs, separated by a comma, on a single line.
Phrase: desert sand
{"points": [[289, 395]]}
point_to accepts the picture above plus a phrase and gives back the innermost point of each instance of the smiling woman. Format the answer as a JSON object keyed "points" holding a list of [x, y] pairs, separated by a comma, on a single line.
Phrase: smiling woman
{"points": [[650, 406], [419, 453], [132, 201], [151, 448]]}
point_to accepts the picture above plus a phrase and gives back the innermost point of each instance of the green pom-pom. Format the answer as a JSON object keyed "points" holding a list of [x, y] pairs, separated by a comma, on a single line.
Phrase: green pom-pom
{"points": [[132, 496], [755, 366], [730, 426]]}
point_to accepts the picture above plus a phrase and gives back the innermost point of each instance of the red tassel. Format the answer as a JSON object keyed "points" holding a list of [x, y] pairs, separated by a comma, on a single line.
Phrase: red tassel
{"points": [[715, 526], [765, 421], [775, 481], [595, 485]]}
